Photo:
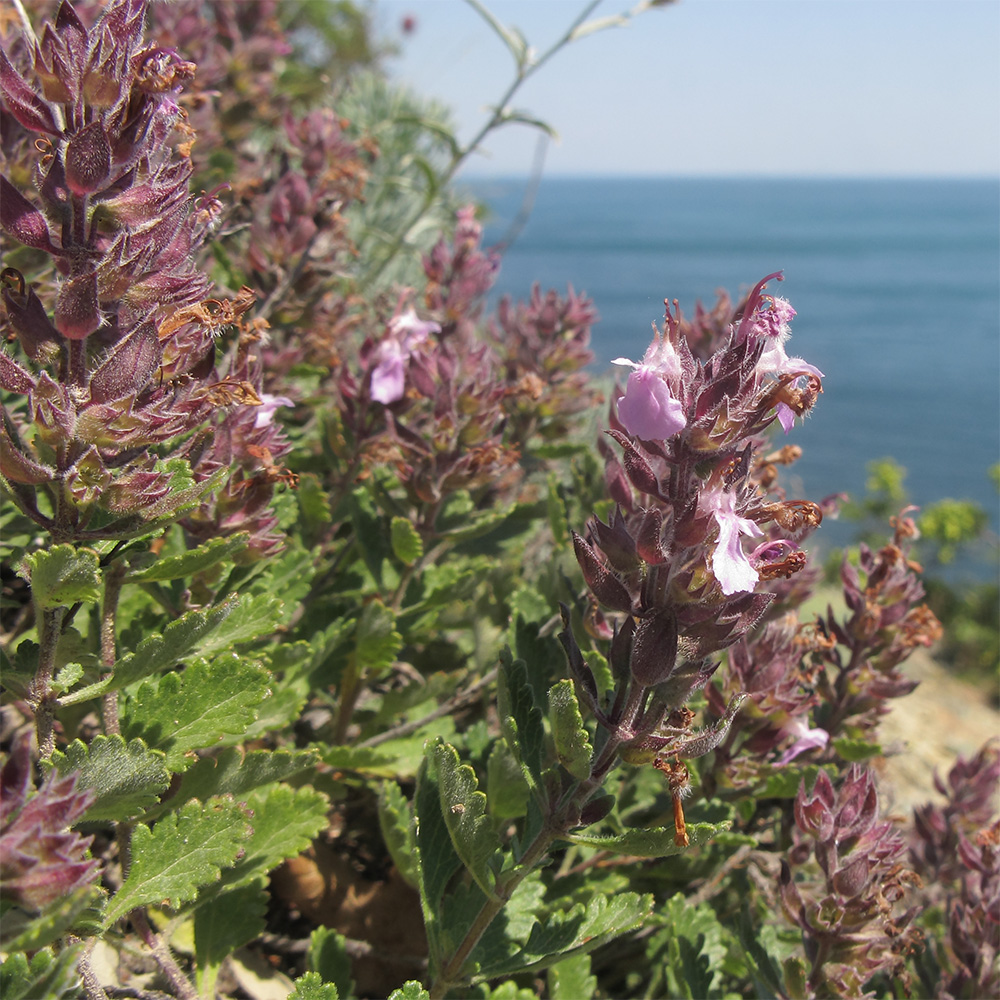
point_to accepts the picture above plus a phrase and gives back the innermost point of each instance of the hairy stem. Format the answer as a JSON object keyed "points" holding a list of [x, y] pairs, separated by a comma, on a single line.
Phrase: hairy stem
{"points": [[114, 577], [41, 697], [450, 973], [164, 958]]}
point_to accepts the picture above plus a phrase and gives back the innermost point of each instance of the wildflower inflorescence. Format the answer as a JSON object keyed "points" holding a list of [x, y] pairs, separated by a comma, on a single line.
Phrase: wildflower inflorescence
{"points": [[674, 560]]}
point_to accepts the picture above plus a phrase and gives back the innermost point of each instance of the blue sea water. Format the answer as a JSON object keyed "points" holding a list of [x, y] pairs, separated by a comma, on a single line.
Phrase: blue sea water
{"points": [[896, 284]]}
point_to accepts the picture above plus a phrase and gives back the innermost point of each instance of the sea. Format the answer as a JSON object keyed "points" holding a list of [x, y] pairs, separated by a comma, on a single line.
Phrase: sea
{"points": [[896, 284]]}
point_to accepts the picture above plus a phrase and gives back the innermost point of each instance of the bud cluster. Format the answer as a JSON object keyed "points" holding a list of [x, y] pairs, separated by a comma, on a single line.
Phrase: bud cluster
{"points": [[849, 928], [41, 860], [121, 367]]}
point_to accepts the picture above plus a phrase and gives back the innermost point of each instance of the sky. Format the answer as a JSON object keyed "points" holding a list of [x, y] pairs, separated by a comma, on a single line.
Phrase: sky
{"points": [[832, 88]]}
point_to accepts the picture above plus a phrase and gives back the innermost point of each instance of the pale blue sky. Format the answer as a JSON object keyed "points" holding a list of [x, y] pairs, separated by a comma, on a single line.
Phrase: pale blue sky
{"points": [[725, 87]]}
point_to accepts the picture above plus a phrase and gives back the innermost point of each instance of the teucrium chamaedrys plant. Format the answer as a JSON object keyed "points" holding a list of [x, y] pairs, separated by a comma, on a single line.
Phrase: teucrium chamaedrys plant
{"points": [[218, 670]]}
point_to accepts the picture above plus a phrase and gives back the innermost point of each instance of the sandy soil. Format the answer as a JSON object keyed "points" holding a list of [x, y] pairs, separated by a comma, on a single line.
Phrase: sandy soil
{"points": [[927, 730]]}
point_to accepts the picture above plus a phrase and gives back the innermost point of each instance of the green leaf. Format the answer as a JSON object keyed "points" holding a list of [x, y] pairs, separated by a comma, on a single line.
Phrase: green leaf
{"points": [[464, 810], [223, 924], [396, 823], [570, 979], [597, 24], [856, 750], [571, 740], [127, 778], [515, 115], [196, 709], [783, 782], [656, 842], [185, 851], [252, 618], [556, 508], [156, 653], [285, 821], [765, 971], [62, 576], [79, 912], [310, 986], [189, 563], [506, 790], [578, 930], [407, 545], [511, 37], [369, 761], [691, 945], [520, 718], [234, 772], [434, 856], [410, 990], [328, 958], [43, 975], [376, 641]]}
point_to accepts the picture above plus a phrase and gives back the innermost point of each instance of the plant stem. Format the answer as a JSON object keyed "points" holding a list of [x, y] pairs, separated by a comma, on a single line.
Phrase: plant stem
{"points": [[163, 956], [92, 986], [41, 698], [114, 577], [445, 708], [450, 973], [524, 71]]}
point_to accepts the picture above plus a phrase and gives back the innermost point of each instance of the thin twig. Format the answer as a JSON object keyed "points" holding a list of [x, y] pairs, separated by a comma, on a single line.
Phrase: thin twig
{"points": [[163, 956], [446, 708]]}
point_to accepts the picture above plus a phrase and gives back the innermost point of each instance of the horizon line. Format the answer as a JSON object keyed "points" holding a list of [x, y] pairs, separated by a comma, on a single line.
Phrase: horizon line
{"points": [[595, 176]]}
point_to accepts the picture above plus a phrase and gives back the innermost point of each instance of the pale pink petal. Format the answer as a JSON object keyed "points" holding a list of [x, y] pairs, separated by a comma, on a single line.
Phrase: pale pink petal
{"points": [[264, 416], [647, 410], [389, 375], [808, 739]]}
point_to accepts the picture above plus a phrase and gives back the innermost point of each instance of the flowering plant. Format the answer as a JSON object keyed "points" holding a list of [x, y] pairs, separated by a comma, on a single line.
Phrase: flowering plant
{"points": [[332, 639]]}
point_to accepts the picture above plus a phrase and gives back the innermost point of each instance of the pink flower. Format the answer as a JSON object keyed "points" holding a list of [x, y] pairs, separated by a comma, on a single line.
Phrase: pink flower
{"points": [[729, 562], [770, 321], [806, 739], [406, 332], [648, 411], [264, 416]]}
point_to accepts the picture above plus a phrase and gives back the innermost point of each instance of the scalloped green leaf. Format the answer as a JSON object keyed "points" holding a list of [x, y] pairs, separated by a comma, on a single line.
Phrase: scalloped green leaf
{"points": [[571, 740], [396, 823], [520, 718], [464, 809], [198, 708], [328, 956], [197, 560], [654, 842], [376, 642], [410, 990], [61, 576], [285, 821], [184, 852], [506, 790], [128, 778], [234, 772], [310, 986], [180, 639], [576, 931], [407, 545], [434, 856], [253, 617]]}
